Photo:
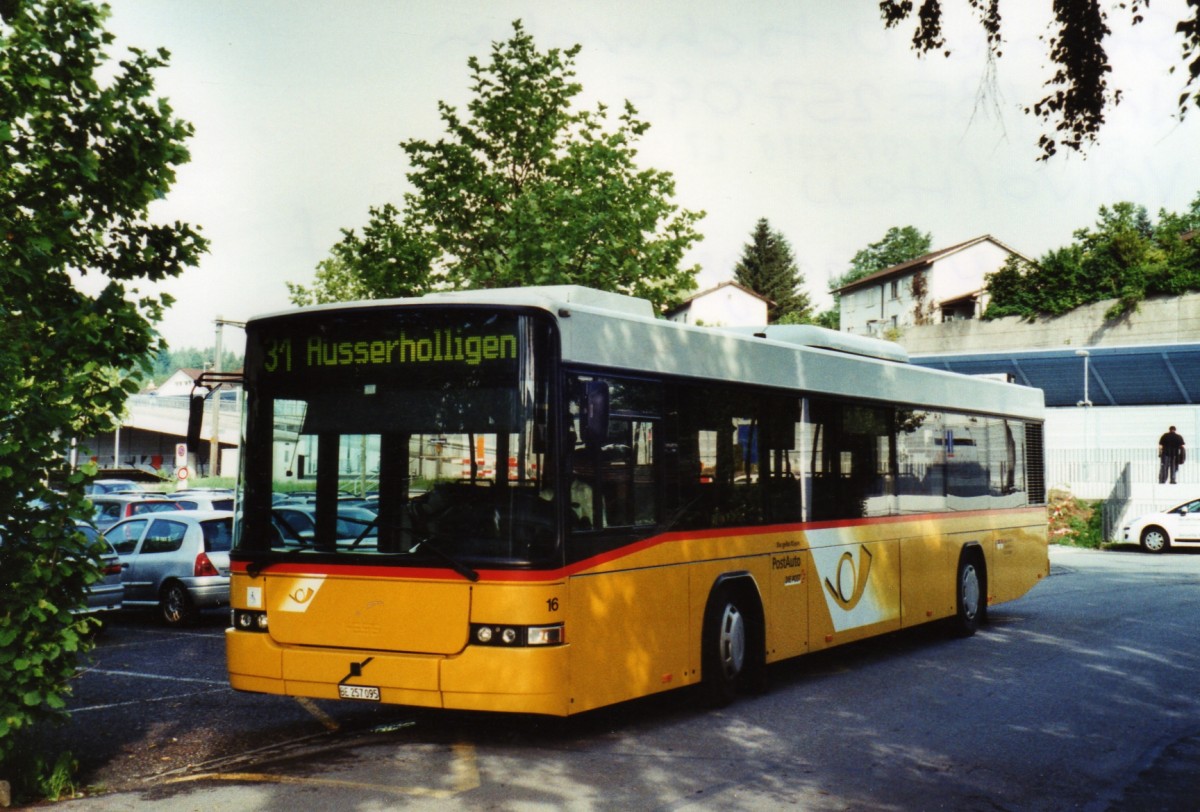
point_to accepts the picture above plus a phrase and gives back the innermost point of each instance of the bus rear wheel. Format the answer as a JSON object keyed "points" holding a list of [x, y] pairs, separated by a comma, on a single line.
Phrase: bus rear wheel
{"points": [[970, 591], [732, 647], [723, 654]]}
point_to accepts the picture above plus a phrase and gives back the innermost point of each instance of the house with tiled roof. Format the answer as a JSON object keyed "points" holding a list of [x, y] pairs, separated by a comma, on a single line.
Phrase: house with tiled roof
{"points": [[944, 285], [180, 384], [725, 305]]}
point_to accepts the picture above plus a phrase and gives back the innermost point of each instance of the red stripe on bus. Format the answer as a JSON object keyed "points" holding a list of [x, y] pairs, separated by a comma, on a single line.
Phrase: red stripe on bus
{"points": [[607, 557]]}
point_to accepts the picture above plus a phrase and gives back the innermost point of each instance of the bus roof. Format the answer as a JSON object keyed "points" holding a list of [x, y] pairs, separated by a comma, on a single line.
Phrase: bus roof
{"points": [[609, 330]]}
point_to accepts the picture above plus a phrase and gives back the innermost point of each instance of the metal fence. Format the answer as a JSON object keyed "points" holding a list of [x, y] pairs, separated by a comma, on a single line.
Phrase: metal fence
{"points": [[1092, 473], [1125, 480]]}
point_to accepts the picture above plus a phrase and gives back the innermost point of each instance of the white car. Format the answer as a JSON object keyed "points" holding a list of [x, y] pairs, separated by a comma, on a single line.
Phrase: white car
{"points": [[1179, 526]]}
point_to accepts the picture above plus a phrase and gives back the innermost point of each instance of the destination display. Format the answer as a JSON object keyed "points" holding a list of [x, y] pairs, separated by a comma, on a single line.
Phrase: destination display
{"points": [[404, 341]]}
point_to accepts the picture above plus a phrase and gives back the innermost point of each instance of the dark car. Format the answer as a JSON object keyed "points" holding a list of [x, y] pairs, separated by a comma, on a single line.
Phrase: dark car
{"points": [[108, 593], [112, 507], [297, 523], [177, 561]]}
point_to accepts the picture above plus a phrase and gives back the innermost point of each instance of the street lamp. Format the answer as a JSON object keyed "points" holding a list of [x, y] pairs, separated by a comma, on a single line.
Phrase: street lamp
{"points": [[1084, 354]]}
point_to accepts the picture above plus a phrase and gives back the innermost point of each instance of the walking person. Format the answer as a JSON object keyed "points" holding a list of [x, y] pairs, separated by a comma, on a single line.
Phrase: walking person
{"points": [[1170, 455]]}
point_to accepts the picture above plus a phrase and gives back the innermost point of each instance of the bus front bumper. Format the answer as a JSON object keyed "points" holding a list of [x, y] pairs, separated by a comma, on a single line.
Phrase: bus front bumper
{"points": [[517, 680]]}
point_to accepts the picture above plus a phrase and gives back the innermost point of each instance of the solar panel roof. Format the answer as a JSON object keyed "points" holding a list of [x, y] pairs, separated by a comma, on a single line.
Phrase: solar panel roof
{"points": [[1142, 375]]}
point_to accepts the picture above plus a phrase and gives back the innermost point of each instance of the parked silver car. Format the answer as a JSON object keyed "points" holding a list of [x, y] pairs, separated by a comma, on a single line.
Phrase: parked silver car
{"points": [[177, 561]]}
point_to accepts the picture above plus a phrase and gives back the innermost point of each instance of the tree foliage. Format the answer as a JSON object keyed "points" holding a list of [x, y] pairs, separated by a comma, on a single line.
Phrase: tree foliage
{"points": [[523, 189], [769, 268], [165, 362], [898, 245], [391, 258], [84, 150], [1078, 92], [1125, 256]]}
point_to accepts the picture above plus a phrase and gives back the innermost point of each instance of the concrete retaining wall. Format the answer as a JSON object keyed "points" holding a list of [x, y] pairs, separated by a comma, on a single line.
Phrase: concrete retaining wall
{"points": [[1164, 320]]}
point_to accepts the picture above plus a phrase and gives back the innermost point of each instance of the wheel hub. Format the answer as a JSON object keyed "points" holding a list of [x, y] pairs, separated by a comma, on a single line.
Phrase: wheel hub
{"points": [[732, 641]]}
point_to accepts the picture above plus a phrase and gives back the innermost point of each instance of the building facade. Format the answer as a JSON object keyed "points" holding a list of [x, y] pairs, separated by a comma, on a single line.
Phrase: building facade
{"points": [[942, 286], [726, 305]]}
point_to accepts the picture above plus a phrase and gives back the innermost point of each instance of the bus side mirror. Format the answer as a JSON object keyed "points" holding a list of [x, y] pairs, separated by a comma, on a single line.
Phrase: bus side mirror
{"points": [[195, 419], [595, 422]]}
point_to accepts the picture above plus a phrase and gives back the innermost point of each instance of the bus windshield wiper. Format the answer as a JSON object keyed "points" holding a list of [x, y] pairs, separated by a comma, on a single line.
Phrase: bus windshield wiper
{"points": [[456, 565]]}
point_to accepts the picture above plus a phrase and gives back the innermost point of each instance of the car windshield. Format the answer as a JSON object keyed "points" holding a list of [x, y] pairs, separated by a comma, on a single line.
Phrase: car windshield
{"points": [[398, 431]]}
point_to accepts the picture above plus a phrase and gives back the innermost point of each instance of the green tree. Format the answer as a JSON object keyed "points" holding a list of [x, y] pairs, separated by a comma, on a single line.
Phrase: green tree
{"points": [[1077, 92], [1178, 236], [84, 150], [1125, 256], [165, 362], [768, 268], [392, 258], [527, 190]]}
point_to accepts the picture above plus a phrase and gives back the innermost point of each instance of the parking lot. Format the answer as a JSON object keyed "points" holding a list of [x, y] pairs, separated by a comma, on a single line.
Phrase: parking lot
{"points": [[155, 702], [879, 725]]}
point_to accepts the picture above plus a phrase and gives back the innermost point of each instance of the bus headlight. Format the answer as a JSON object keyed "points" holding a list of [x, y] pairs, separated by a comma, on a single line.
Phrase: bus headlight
{"points": [[247, 621], [488, 634]]}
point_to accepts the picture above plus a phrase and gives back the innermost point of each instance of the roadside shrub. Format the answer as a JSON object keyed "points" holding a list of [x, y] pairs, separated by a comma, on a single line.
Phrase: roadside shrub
{"points": [[1077, 522], [33, 778]]}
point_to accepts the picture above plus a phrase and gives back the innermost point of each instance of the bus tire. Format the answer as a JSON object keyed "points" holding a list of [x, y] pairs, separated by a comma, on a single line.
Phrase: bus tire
{"points": [[732, 647], [970, 590]]}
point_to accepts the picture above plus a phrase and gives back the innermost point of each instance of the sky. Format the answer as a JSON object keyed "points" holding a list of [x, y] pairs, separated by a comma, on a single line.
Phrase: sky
{"points": [[810, 114]]}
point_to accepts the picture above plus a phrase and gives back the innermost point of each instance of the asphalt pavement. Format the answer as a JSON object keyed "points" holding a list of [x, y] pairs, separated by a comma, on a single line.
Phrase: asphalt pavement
{"points": [[155, 727]]}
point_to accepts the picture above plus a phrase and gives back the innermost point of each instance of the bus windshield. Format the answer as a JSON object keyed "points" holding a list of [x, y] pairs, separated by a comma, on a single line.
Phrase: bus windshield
{"points": [[412, 437]]}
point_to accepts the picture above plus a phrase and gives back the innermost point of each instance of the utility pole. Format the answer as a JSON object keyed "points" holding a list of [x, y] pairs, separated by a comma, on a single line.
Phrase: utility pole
{"points": [[214, 449]]}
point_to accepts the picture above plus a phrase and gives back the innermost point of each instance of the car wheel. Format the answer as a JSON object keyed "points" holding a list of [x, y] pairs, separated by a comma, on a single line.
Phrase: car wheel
{"points": [[176, 605], [1155, 540], [970, 592]]}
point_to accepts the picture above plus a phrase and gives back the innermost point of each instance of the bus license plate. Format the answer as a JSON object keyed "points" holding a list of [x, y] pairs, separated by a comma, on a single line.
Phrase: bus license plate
{"points": [[367, 692]]}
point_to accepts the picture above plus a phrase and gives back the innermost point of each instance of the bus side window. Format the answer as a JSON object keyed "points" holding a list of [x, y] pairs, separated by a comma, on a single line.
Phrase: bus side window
{"points": [[612, 458], [720, 442], [850, 466], [920, 472], [780, 465]]}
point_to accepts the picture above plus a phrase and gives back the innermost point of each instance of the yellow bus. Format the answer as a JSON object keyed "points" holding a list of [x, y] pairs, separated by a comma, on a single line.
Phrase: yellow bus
{"points": [[547, 500]]}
